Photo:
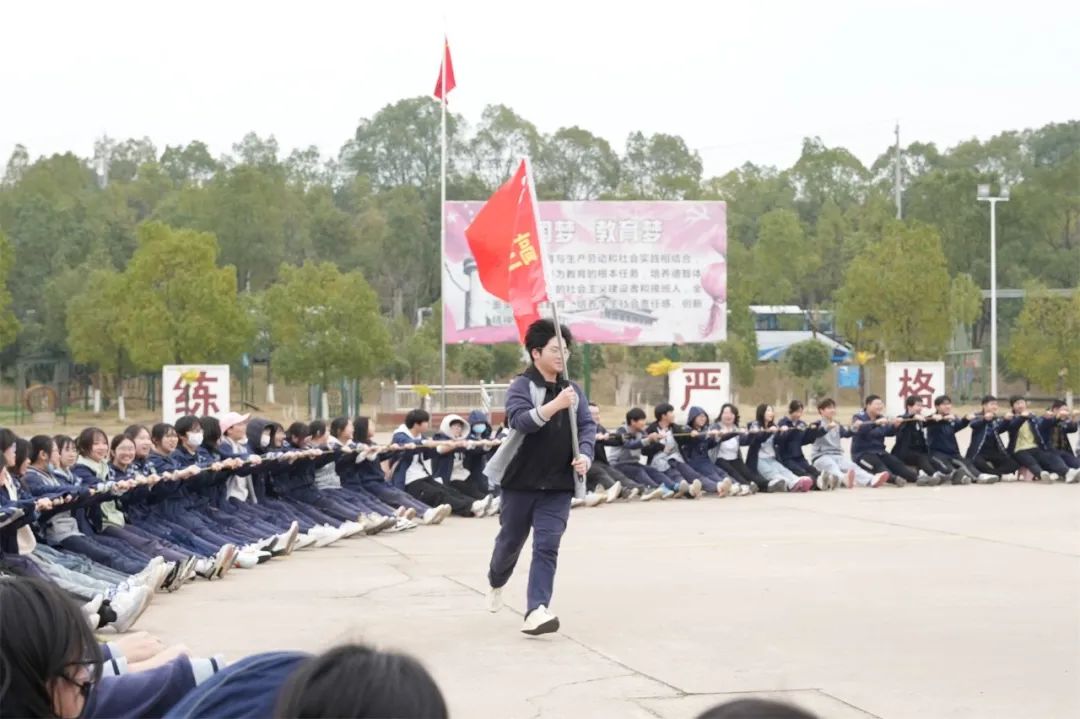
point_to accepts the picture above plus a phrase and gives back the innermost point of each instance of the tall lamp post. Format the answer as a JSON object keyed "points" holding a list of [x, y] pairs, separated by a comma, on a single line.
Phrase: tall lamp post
{"points": [[983, 195]]}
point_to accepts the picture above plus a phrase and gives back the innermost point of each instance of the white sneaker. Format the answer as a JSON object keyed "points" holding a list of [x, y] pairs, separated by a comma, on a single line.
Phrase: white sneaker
{"points": [[93, 605], [614, 491], [684, 488], [446, 510], [204, 567], [634, 494], [1010, 477], [92, 620], [1072, 476], [540, 621], [129, 606], [822, 481], [652, 494], [778, 485], [723, 489], [303, 541], [480, 507], [246, 560], [494, 599], [745, 490], [402, 525], [324, 536], [431, 516], [496, 506], [225, 556], [1047, 477], [592, 499], [576, 502], [986, 478], [695, 489], [287, 539], [834, 481]]}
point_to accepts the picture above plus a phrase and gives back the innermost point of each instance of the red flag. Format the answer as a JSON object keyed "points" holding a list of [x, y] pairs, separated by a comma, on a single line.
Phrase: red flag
{"points": [[505, 243], [450, 84]]}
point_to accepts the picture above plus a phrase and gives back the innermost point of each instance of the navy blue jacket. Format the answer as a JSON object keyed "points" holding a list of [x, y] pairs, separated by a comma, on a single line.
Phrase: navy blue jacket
{"points": [[1012, 426], [247, 689], [696, 448], [789, 444], [869, 437], [941, 436], [982, 432]]}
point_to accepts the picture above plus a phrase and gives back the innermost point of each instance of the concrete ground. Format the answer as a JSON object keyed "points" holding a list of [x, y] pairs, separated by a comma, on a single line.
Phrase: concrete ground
{"points": [[927, 603]]}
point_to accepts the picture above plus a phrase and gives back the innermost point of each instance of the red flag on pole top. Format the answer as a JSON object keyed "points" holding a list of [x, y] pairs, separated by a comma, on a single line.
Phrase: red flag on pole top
{"points": [[447, 70], [505, 243]]}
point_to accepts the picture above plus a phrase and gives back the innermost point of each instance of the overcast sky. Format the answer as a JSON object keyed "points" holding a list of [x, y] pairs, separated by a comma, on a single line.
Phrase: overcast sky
{"points": [[738, 80]]}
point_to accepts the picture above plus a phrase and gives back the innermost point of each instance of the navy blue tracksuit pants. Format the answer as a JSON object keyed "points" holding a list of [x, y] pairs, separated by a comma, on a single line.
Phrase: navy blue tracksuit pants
{"points": [[545, 514]]}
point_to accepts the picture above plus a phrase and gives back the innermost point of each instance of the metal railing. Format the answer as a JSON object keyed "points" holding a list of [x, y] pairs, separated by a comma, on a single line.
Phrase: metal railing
{"points": [[459, 397]]}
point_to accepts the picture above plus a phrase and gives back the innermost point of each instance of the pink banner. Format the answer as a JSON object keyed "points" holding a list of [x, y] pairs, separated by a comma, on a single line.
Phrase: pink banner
{"points": [[641, 273]]}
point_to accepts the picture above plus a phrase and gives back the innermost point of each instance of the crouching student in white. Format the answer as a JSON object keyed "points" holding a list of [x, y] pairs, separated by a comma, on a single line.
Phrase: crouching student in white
{"points": [[828, 455]]}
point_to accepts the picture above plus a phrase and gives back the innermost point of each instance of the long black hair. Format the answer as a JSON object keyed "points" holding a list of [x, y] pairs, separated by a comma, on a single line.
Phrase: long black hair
{"points": [[44, 634], [760, 414], [361, 429], [211, 428], [356, 682]]}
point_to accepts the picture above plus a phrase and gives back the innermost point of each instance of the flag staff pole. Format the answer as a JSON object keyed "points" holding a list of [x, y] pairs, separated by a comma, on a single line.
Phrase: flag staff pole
{"points": [[442, 228], [579, 480]]}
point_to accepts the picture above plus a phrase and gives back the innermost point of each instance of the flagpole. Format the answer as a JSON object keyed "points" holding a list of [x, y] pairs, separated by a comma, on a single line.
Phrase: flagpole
{"points": [[575, 449], [442, 229]]}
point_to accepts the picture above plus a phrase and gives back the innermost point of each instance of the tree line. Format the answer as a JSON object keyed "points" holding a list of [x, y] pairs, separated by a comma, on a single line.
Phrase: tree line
{"points": [[138, 256]]}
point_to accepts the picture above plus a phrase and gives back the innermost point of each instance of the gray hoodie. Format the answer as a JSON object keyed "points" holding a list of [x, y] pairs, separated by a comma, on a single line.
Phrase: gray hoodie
{"points": [[828, 444]]}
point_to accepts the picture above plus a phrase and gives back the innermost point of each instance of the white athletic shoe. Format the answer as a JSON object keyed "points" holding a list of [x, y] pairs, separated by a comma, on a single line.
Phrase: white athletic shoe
{"points": [[351, 528], [1072, 476], [246, 560], [576, 502], [494, 599], [634, 494], [287, 540], [431, 516], [93, 605], [592, 499], [1048, 477], [303, 541], [480, 506], [822, 481], [652, 494], [495, 507], [744, 490], [540, 621], [614, 491], [129, 606], [324, 536], [723, 488], [695, 489]]}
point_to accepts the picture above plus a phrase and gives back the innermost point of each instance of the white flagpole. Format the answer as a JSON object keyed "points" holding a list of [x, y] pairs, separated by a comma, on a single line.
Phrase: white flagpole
{"points": [[442, 229], [579, 480]]}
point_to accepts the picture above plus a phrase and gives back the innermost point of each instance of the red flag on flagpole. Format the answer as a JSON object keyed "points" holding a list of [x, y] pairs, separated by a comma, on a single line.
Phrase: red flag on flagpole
{"points": [[448, 68], [505, 243]]}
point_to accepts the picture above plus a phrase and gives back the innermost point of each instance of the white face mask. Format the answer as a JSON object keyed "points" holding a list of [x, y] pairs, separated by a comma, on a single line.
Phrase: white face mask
{"points": [[264, 441], [195, 438]]}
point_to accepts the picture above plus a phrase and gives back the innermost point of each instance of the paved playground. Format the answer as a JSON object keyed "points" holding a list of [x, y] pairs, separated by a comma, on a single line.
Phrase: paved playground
{"points": [[926, 603]]}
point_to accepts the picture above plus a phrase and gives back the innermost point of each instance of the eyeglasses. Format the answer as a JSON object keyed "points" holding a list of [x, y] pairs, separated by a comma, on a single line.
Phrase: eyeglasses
{"points": [[86, 671], [554, 350]]}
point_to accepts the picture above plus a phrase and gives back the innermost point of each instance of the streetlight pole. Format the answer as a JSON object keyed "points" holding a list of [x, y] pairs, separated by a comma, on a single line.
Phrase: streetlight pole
{"points": [[983, 195]]}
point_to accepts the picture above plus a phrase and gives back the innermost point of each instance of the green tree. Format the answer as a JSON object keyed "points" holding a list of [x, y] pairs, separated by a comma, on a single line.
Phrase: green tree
{"points": [[575, 164], [501, 140], [895, 295], [660, 167], [246, 211], [965, 302], [326, 324], [475, 362], [9, 327], [808, 361], [1043, 347], [184, 306], [100, 331]]}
